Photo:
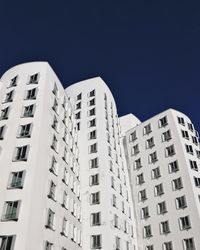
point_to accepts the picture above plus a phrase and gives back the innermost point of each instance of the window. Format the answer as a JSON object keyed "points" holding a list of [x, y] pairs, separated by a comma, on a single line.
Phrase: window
{"points": [[163, 122], [189, 149], [65, 227], [4, 113], [193, 165], [92, 123], [25, 130], [147, 231], [96, 219], [79, 97], [112, 182], [164, 227], [140, 179], [173, 167], [149, 247], [31, 94], [181, 202], [34, 79], [93, 148], [198, 153], [135, 149], [92, 112], [65, 202], [168, 245], [2, 132], [185, 134], [114, 200], [189, 244], [159, 189], [181, 121], [54, 143], [116, 221], [170, 150], [50, 219], [92, 102], [156, 173], [52, 191], [48, 245], [78, 115], [95, 198], [94, 179], [7, 242], [197, 181], [55, 90], [13, 81], [142, 195], [96, 241], [55, 123], [153, 157], [145, 212], [177, 183], [29, 111], [190, 127], [147, 129], [11, 210], [195, 140], [150, 143], [53, 167], [55, 105], [16, 179], [78, 105], [132, 136], [21, 153], [138, 163], [9, 96], [118, 243], [92, 135], [185, 223], [94, 163], [166, 136], [162, 208], [92, 93]]}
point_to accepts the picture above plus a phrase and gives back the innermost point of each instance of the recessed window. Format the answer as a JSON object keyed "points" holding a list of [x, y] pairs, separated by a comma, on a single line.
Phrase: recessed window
{"points": [[94, 179], [7, 242], [33, 79], [55, 105], [177, 183], [50, 219], [197, 181], [92, 102], [21, 153], [92, 123], [147, 231], [198, 153], [195, 140], [94, 163], [164, 227], [163, 121], [95, 198], [117, 243], [31, 94], [153, 157], [93, 148], [54, 144], [92, 93], [156, 173], [132, 136], [140, 179], [96, 219], [185, 223], [166, 136], [149, 247], [78, 105], [162, 208], [91, 112], [181, 202], [16, 179], [150, 143], [173, 167], [147, 129], [168, 245], [96, 241], [55, 123], [114, 200], [9, 96], [189, 244], [55, 90], [53, 166], [185, 134], [181, 121], [93, 135], [159, 189], [79, 97], [142, 195], [135, 149], [65, 227], [190, 127], [145, 212], [25, 130], [2, 132], [4, 113], [11, 210], [193, 165], [189, 149], [170, 151], [138, 164], [52, 191], [65, 202], [28, 111], [13, 81], [48, 245]]}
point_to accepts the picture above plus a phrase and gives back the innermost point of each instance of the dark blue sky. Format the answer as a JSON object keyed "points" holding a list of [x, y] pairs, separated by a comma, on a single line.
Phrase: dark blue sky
{"points": [[148, 52]]}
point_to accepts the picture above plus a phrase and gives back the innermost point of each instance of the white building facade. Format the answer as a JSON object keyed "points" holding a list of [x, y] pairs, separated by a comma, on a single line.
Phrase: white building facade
{"points": [[164, 159]]}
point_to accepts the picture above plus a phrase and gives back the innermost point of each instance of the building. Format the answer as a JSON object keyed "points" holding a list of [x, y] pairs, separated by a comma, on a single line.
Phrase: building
{"points": [[40, 182], [163, 156], [107, 208], [75, 176]]}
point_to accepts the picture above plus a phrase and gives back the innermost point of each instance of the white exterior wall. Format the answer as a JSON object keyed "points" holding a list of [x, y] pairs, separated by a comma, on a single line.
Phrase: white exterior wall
{"points": [[191, 192], [30, 229], [103, 116]]}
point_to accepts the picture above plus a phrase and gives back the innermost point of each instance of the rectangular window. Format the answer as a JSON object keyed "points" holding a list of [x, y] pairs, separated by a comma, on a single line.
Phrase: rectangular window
{"points": [[181, 202], [149, 247], [96, 241], [28, 111], [198, 153], [52, 191], [163, 122], [118, 243], [147, 129], [31, 94], [114, 200], [193, 165], [173, 167], [65, 227], [93, 148], [116, 221], [54, 144], [78, 115], [190, 127], [189, 244], [156, 173], [55, 123], [150, 143], [185, 223], [96, 219], [195, 140], [177, 183], [162, 208], [135, 149], [92, 102], [185, 134], [79, 97], [142, 195], [9, 96], [11, 210], [92, 123], [132, 136], [181, 121], [50, 219], [92, 135], [53, 167], [94, 163], [95, 198], [21, 153], [4, 113], [145, 212], [138, 164], [170, 150], [78, 105], [7, 242], [168, 245], [140, 179], [55, 106], [164, 227], [153, 157], [92, 93], [147, 231], [166, 136], [159, 189], [34, 79], [2, 132], [16, 179], [94, 179], [92, 112], [189, 149], [25, 130], [13, 81], [65, 202], [197, 181], [55, 90], [48, 245]]}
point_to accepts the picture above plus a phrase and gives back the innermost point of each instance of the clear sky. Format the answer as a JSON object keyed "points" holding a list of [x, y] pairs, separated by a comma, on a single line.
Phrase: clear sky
{"points": [[148, 52]]}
